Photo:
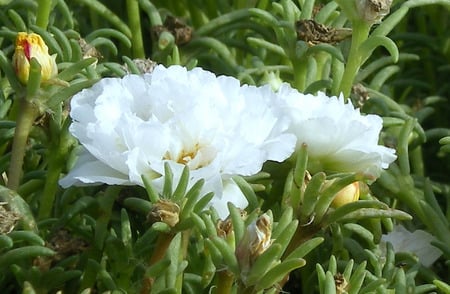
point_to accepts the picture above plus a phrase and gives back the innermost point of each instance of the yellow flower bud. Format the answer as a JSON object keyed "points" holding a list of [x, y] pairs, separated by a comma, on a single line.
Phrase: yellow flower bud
{"points": [[27, 47], [348, 194]]}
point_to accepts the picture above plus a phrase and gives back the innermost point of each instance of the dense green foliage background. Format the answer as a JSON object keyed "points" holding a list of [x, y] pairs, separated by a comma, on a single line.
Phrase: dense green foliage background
{"points": [[96, 239]]}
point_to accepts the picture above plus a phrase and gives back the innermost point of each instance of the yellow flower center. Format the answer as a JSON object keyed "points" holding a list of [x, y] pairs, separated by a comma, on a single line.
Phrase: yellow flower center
{"points": [[195, 157]]}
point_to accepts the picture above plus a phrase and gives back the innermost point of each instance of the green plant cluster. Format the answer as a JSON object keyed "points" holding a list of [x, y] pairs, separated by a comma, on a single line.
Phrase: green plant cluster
{"points": [[114, 239]]}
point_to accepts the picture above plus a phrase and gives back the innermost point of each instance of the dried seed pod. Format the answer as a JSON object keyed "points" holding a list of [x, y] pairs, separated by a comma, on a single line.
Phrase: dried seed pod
{"points": [[255, 241], [8, 219], [165, 211], [181, 31], [315, 33]]}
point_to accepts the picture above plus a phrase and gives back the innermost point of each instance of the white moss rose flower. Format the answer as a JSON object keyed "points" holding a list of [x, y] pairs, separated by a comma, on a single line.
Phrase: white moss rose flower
{"points": [[338, 136], [133, 125]]}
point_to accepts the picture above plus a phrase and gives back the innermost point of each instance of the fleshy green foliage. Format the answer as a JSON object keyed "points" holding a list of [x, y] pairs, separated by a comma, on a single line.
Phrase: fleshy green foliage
{"points": [[98, 239]]}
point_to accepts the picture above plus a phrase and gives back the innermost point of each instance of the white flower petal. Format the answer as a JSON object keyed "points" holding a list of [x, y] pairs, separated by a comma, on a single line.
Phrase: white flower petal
{"points": [[417, 242], [185, 118], [89, 170], [338, 136], [231, 193]]}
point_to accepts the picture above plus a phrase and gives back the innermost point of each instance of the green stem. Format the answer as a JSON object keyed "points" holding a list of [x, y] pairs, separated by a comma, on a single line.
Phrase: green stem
{"points": [[322, 71], [134, 22], [301, 235], [51, 186], [360, 34], [105, 203], [300, 71], [185, 235], [161, 246], [27, 115], [43, 13], [225, 282], [417, 163], [57, 153]]}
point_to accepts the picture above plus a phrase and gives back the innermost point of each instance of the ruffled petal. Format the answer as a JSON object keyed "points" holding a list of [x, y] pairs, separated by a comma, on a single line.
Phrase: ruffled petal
{"points": [[88, 170], [212, 125]]}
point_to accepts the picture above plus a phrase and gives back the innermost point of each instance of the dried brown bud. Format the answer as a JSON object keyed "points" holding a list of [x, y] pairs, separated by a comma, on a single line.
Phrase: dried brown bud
{"points": [[165, 211], [88, 50], [255, 241], [144, 65], [8, 219], [181, 32], [225, 227], [315, 33], [373, 10], [65, 244], [341, 283], [360, 94], [261, 232]]}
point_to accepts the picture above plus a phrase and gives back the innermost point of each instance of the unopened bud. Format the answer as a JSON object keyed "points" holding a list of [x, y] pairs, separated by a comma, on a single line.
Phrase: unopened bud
{"points": [[348, 194], [165, 211], [27, 47]]}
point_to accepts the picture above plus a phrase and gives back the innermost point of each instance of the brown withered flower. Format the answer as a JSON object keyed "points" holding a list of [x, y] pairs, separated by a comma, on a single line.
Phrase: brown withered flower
{"points": [[341, 283], [262, 240], [164, 211], [181, 31], [88, 50], [314, 33], [256, 240], [373, 11], [8, 219], [225, 227], [360, 95], [145, 65], [65, 244]]}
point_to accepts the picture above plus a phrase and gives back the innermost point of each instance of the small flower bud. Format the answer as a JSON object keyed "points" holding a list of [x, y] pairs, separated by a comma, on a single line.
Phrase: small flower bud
{"points": [[165, 211], [373, 11], [349, 193], [27, 47], [273, 79]]}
